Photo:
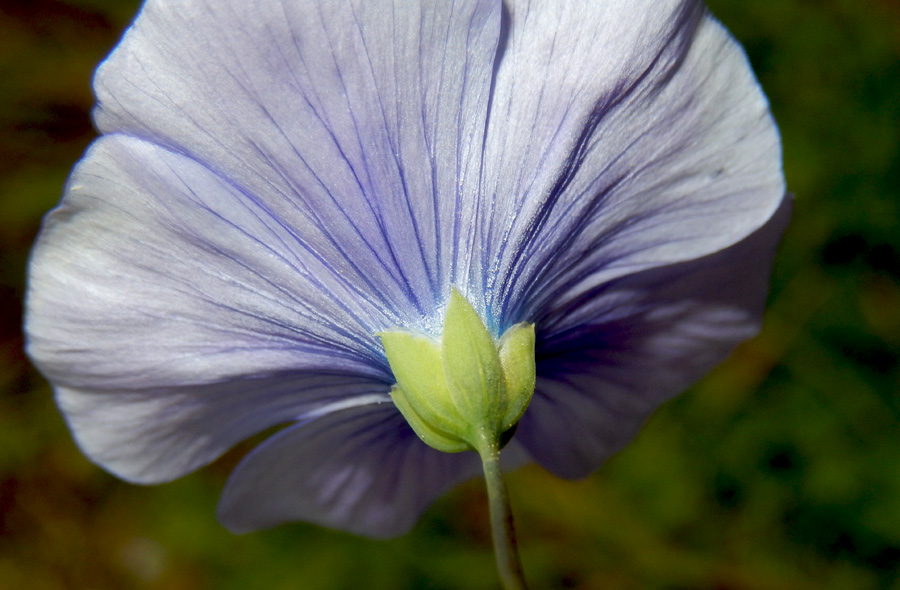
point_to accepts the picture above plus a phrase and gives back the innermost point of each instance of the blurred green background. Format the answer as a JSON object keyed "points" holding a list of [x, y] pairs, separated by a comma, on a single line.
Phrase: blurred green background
{"points": [[780, 470]]}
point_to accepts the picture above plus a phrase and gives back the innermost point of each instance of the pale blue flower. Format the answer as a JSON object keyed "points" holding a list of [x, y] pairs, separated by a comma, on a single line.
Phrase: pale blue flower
{"points": [[278, 181]]}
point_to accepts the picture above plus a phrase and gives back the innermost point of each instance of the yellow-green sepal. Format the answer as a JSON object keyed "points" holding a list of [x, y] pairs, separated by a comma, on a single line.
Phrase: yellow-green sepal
{"points": [[471, 363], [517, 359], [433, 437], [416, 363], [467, 391]]}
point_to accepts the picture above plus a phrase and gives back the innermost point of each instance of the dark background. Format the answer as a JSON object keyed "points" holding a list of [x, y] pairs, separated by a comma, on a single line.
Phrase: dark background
{"points": [[780, 470]]}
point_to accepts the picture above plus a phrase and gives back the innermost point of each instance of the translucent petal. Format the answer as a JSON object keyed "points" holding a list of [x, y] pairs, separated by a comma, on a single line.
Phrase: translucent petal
{"points": [[155, 272], [154, 435], [176, 316], [609, 360], [622, 136], [357, 123], [361, 470]]}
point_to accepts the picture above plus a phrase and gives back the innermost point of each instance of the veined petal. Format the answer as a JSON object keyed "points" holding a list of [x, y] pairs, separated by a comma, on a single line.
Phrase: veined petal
{"points": [[176, 316], [361, 470], [605, 363], [153, 435], [155, 272], [356, 122], [622, 136]]}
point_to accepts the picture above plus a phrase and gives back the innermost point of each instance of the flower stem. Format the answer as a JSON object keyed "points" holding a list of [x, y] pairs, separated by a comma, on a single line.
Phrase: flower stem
{"points": [[508, 564]]}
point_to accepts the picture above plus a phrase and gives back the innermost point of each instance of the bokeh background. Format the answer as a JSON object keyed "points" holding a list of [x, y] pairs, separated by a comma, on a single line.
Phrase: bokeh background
{"points": [[779, 470]]}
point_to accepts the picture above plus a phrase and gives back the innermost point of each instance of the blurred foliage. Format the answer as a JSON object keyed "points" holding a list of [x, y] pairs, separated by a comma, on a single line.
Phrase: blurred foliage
{"points": [[780, 470]]}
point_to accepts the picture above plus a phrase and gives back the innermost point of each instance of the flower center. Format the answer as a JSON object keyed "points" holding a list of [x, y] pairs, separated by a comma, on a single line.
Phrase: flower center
{"points": [[466, 391]]}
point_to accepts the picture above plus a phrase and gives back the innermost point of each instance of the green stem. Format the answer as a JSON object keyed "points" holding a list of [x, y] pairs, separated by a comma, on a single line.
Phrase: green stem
{"points": [[508, 564]]}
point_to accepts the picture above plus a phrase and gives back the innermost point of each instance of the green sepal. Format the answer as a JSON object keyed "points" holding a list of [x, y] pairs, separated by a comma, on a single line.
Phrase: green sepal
{"points": [[468, 391], [416, 363], [431, 436], [517, 358], [472, 367]]}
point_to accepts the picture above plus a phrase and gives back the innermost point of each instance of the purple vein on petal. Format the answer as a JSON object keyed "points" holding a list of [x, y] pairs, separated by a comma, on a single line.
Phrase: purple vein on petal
{"points": [[188, 287], [370, 203], [397, 156], [489, 259], [581, 209], [308, 211], [469, 242], [373, 350], [438, 273], [297, 193]]}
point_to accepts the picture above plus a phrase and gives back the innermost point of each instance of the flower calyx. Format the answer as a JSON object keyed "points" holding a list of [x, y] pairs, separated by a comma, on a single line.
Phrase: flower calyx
{"points": [[466, 391]]}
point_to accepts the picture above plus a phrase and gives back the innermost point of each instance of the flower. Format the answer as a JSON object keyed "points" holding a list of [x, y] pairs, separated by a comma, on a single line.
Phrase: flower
{"points": [[280, 181]]}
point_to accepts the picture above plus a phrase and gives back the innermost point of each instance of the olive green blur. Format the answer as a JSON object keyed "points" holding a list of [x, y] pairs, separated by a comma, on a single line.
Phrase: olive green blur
{"points": [[781, 470]]}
